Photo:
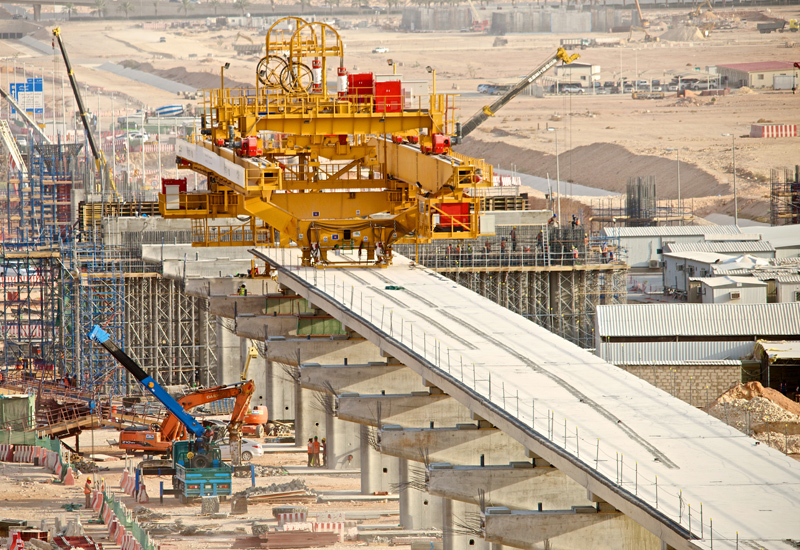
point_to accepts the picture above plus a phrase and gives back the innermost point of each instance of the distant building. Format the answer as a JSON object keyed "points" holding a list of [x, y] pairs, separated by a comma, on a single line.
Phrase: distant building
{"points": [[578, 73], [754, 75], [728, 290]]}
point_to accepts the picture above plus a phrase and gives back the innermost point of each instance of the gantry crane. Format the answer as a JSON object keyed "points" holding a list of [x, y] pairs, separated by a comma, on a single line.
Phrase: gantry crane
{"points": [[97, 152], [490, 110], [327, 169]]}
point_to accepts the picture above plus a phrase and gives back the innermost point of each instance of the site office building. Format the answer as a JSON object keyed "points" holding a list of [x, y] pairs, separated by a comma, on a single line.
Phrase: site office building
{"points": [[754, 75]]}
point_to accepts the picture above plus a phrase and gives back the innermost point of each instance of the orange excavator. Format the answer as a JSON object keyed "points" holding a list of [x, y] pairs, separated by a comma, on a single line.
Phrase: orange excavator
{"points": [[158, 439]]}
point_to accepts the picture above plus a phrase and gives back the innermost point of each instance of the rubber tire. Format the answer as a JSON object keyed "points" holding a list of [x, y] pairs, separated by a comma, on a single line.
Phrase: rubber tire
{"points": [[260, 431], [247, 456], [201, 461]]}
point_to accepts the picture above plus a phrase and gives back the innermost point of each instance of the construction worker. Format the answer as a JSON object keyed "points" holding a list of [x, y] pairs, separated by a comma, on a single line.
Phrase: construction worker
{"points": [[514, 239], [316, 447], [87, 492], [243, 290], [324, 450], [310, 452]]}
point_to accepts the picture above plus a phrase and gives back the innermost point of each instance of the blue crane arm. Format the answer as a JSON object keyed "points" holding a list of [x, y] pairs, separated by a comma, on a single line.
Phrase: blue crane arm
{"points": [[100, 336]]}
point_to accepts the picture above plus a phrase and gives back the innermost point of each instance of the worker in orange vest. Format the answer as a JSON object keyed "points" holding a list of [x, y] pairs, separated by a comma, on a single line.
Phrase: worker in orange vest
{"points": [[316, 452], [310, 452], [87, 492]]}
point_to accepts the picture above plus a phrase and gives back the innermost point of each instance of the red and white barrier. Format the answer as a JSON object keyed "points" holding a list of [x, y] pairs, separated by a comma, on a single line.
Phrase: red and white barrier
{"points": [[330, 527], [296, 517], [69, 478], [773, 130], [106, 513], [97, 501], [6, 452], [124, 479], [297, 526]]}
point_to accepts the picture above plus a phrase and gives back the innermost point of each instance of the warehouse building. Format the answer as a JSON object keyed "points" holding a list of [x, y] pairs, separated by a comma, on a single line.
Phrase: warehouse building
{"points": [[754, 75], [652, 332]]}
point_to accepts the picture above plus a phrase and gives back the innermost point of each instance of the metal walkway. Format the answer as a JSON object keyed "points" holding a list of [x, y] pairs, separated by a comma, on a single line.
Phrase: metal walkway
{"points": [[645, 452]]}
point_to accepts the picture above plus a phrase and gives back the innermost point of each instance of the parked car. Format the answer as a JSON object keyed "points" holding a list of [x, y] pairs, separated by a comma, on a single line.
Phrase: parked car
{"points": [[144, 136], [628, 89], [655, 88], [672, 88], [572, 90], [380, 49], [249, 449], [602, 91]]}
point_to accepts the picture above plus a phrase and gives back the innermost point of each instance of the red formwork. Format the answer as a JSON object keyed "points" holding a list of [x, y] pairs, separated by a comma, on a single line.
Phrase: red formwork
{"points": [[773, 130]]}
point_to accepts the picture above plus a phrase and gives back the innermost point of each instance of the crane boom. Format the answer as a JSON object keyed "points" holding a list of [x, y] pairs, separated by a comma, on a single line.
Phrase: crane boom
{"points": [[645, 23], [489, 110], [97, 153], [100, 336], [28, 120]]}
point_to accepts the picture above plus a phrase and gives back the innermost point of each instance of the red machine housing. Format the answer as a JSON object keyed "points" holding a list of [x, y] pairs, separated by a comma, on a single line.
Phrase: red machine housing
{"points": [[250, 147], [388, 97], [439, 144], [455, 216]]}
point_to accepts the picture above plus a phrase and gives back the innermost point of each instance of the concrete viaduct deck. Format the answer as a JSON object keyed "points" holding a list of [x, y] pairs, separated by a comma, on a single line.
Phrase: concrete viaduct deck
{"points": [[653, 467]]}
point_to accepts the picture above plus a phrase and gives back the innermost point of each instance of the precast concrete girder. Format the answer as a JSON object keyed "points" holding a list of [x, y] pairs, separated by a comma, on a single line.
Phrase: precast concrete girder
{"points": [[263, 327], [226, 287], [296, 351], [232, 306], [371, 378], [518, 486], [577, 528], [464, 444], [415, 410]]}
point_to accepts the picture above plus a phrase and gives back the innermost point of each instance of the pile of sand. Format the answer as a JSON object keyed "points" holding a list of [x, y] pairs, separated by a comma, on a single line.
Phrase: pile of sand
{"points": [[683, 34], [766, 414], [745, 90]]}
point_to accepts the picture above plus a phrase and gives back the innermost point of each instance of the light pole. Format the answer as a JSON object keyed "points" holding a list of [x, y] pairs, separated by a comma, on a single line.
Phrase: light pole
{"points": [[222, 76], [678, 158], [735, 198], [558, 176], [433, 72]]}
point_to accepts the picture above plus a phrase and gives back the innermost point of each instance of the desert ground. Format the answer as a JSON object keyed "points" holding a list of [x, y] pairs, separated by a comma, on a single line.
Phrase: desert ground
{"points": [[603, 139]]}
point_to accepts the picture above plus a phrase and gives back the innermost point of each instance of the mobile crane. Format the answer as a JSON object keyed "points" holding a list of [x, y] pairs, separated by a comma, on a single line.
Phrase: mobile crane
{"points": [[490, 110], [159, 438], [198, 466], [644, 22], [97, 153], [478, 24]]}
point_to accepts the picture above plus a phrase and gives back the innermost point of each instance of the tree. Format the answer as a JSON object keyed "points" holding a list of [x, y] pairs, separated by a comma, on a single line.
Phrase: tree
{"points": [[215, 4], [126, 7], [99, 8], [242, 5], [70, 8], [186, 5]]}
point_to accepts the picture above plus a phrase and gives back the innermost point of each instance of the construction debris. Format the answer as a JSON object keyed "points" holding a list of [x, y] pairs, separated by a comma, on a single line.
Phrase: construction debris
{"points": [[265, 471], [683, 34], [763, 413], [287, 539]]}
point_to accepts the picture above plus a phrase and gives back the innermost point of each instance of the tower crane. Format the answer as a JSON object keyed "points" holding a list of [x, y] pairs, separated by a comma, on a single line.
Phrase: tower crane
{"points": [[97, 153]]}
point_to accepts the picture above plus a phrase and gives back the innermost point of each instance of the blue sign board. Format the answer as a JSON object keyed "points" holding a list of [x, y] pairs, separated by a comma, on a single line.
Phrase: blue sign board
{"points": [[29, 95]]}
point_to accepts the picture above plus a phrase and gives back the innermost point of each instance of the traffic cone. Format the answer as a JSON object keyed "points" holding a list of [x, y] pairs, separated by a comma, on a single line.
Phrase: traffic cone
{"points": [[142, 497], [69, 477], [16, 542]]}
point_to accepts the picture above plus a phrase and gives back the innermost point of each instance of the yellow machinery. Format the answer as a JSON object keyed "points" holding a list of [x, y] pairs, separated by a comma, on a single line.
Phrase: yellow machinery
{"points": [[355, 169], [644, 22]]}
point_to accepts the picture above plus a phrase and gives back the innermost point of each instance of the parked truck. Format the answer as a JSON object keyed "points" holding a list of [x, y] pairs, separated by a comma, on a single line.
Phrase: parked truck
{"points": [[575, 43], [766, 28]]}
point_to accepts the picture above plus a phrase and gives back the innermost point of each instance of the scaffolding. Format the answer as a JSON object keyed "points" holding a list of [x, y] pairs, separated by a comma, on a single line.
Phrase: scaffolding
{"points": [[639, 207], [556, 281], [785, 196]]}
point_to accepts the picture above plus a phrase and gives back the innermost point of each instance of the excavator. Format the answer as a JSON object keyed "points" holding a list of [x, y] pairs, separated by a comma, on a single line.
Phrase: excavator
{"points": [[647, 36], [158, 438], [644, 22]]}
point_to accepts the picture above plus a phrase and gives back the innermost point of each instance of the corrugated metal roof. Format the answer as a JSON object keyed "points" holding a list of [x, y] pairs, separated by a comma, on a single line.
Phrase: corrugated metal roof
{"points": [[652, 320], [620, 353], [758, 66], [671, 230], [777, 350], [793, 260], [722, 282], [780, 276], [705, 257], [782, 236], [721, 247]]}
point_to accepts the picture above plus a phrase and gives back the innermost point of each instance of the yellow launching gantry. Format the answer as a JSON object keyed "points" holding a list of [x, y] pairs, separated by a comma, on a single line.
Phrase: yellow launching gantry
{"points": [[325, 170]]}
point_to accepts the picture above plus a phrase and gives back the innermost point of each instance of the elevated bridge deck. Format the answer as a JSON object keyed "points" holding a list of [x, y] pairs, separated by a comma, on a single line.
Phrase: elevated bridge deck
{"points": [[648, 454]]}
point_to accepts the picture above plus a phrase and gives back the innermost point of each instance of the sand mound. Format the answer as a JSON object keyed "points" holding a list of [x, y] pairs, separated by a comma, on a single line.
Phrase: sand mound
{"points": [[745, 90], [751, 390], [199, 80], [683, 34], [600, 165]]}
